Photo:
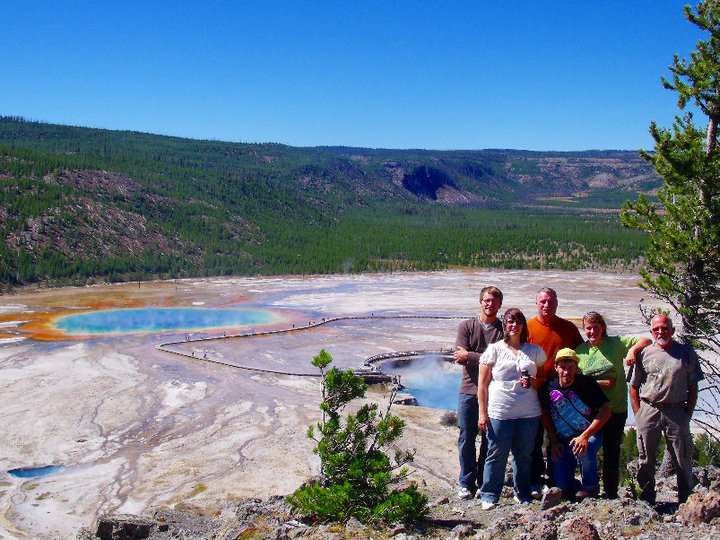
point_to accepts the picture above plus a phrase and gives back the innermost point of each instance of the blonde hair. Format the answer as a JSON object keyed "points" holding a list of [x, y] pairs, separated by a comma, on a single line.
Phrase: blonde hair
{"points": [[595, 317]]}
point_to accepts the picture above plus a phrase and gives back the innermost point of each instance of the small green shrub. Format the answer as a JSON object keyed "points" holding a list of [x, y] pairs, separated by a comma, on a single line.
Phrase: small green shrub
{"points": [[356, 474], [707, 450], [628, 452]]}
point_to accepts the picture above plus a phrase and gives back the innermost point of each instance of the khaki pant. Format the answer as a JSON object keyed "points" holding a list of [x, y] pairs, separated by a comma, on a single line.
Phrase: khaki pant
{"points": [[674, 424]]}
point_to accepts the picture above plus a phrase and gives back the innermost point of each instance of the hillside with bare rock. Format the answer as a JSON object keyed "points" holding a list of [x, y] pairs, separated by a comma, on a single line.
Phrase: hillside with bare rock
{"points": [[80, 205]]}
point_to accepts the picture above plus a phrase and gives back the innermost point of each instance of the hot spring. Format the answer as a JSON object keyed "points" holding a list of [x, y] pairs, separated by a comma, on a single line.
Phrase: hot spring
{"points": [[432, 380], [34, 472], [120, 321]]}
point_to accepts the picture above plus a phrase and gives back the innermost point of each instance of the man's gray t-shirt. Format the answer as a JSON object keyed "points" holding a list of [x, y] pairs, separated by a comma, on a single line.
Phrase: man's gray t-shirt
{"points": [[475, 337], [663, 376]]}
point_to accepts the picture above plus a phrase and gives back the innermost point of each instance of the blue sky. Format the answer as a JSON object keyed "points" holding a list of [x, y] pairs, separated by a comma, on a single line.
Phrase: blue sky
{"points": [[534, 75]]}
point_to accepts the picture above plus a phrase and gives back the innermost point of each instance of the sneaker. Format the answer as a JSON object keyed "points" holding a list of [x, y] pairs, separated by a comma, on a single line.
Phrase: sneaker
{"points": [[519, 500], [487, 505], [536, 492], [587, 493], [464, 494]]}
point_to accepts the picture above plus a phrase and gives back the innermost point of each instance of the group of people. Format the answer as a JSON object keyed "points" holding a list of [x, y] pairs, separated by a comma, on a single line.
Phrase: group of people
{"points": [[522, 379]]}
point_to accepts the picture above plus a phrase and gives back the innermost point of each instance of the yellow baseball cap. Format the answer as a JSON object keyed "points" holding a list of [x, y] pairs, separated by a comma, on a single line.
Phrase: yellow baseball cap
{"points": [[566, 353]]}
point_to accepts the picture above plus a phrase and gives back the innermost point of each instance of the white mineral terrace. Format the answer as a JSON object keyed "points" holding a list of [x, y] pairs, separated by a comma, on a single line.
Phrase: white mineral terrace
{"points": [[135, 428]]}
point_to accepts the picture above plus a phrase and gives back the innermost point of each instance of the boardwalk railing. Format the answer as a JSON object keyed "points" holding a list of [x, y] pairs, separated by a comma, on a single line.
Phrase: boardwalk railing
{"points": [[368, 364]]}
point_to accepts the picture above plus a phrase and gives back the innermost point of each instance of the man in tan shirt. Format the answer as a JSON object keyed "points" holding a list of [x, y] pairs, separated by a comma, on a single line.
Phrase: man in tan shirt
{"points": [[663, 393]]}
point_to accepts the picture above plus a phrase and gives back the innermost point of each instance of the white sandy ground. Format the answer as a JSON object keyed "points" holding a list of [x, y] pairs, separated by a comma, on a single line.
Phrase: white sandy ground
{"points": [[136, 429]]}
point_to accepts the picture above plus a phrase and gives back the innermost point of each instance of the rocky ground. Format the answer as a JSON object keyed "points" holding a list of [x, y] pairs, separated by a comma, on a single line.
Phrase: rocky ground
{"points": [[550, 518]]}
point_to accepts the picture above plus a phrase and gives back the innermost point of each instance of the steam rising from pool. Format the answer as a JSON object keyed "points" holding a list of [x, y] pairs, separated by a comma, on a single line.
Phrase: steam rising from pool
{"points": [[434, 382], [120, 321]]}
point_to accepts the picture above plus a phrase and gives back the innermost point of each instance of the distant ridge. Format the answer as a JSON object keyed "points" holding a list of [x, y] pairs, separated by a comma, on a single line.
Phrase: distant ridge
{"points": [[86, 203]]}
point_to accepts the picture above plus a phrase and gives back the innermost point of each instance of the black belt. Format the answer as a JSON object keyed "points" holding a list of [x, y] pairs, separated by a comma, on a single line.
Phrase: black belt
{"points": [[661, 406]]}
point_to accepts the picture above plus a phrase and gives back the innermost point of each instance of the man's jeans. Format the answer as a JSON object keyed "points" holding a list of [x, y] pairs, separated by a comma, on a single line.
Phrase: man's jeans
{"points": [[564, 467], [470, 464], [503, 436]]}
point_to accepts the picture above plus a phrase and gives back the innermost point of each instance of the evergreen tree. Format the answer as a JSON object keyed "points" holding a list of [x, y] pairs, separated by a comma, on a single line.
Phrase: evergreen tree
{"points": [[356, 474], [682, 264]]}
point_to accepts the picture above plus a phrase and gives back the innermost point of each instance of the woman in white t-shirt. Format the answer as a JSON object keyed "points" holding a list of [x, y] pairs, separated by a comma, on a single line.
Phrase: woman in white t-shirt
{"points": [[509, 408]]}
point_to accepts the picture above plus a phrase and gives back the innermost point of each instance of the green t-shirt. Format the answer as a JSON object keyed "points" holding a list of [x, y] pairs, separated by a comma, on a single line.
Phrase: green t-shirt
{"points": [[606, 361]]}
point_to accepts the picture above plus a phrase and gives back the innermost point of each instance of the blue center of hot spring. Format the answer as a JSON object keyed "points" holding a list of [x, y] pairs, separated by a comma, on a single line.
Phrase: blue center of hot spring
{"points": [[430, 382], [33, 472], [159, 319]]}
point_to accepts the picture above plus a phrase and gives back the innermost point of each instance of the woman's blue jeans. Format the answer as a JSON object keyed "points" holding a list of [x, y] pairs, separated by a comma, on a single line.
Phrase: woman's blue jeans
{"points": [[516, 435], [564, 467]]}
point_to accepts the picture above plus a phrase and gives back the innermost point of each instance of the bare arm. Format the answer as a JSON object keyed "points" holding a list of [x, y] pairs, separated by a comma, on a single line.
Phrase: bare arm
{"points": [[580, 443], [484, 378], [634, 399], [631, 357], [606, 383]]}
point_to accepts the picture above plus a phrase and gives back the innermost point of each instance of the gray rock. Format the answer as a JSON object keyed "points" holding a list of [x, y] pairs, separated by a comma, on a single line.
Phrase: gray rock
{"points": [[551, 498], [183, 524], [706, 476], [463, 530], [578, 529], [405, 399], [126, 527], [545, 530], [632, 468], [626, 492], [353, 526], [700, 507]]}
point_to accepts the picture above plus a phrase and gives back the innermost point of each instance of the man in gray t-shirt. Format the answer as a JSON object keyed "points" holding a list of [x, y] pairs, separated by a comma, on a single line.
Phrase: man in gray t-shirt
{"points": [[663, 394], [473, 337]]}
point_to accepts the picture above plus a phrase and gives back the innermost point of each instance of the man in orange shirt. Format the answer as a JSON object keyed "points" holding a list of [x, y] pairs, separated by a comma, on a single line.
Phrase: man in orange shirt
{"points": [[551, 333]]}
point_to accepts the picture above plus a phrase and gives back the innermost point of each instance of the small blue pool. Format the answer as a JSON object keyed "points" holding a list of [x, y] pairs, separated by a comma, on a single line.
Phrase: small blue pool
{"points": [[118, 321], [34, 472], [433, 381]]}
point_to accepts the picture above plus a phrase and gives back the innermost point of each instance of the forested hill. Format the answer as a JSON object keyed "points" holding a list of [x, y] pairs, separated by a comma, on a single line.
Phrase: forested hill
{"points": [[81, 204]]}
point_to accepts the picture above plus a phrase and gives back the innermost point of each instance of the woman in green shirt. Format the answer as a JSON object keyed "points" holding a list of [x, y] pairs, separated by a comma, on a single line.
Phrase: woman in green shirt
{"points": [[601, 357]]}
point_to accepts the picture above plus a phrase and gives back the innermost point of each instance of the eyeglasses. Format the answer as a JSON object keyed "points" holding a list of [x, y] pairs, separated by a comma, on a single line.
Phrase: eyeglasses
{"points": [[659, 329]]}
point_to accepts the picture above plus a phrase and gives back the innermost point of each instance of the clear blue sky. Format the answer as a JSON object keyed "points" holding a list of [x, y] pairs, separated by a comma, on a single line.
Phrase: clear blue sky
{"points": [[525, 74]]}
